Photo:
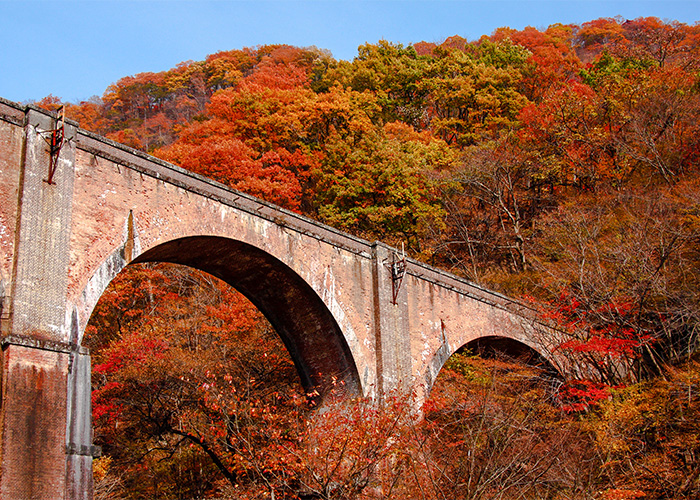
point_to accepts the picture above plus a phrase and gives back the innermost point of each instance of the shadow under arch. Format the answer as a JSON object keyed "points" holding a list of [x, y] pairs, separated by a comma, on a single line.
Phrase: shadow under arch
{"points": [[489, 346], [308, 329], [494, 346]]}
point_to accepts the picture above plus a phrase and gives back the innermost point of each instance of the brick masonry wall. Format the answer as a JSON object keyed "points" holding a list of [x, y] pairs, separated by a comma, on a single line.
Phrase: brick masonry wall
{"points": [[33, 423], [11, 144], [124, 211]]}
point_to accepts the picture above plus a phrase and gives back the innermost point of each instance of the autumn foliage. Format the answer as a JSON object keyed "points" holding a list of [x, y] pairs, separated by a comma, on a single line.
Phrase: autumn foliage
{"points": [[558, 165]]}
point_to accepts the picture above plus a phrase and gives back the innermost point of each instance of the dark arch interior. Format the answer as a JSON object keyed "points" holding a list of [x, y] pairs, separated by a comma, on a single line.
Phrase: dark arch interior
{"points": [[306, 326], [492, 347]]}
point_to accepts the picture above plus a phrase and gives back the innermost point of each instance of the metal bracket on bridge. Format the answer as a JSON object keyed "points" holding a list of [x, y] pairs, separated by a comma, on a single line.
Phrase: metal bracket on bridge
{"points": [[44, 345], [84, 450], [55, 140], [397, 266]]}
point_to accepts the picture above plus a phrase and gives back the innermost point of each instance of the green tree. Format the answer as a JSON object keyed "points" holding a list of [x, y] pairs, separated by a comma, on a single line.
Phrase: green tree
{"points": [[393, 73], [381, 185], [475, 99]]}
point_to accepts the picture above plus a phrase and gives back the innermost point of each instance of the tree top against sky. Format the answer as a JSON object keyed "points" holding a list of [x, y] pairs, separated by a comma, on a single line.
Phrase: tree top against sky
{"points": [[75, 49]]}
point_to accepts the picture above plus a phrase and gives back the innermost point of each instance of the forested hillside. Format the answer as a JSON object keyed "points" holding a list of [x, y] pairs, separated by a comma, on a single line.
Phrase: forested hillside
{"points": [[558, 166]]}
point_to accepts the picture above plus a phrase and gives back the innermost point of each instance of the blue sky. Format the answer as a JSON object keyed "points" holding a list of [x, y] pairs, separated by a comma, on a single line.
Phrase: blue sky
{"points": [[75, 49]]}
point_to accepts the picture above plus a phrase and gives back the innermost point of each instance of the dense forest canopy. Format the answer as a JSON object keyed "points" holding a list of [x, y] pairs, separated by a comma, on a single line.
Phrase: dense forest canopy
{"points": [[560, 166]]}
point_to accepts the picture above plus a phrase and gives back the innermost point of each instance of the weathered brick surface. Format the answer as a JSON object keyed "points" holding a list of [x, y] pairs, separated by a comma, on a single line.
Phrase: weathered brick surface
{"points": [[120, 211], [40, 260], [328, 294], [11, 137], [33, 423]]}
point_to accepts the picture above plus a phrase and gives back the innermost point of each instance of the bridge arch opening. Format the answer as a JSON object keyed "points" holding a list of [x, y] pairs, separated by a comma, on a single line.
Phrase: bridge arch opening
{"points": [[306, 326], [494, 406], [504, 348], [300, 319], [491, 348]]}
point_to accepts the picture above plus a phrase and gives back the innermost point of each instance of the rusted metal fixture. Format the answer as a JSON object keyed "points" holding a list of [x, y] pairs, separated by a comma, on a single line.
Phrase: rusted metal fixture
{"points": [[397, 266], [55, 140]]}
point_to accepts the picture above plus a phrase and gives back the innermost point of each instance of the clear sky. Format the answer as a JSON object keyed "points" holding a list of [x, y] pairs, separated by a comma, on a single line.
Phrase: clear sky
{"points": [[75, 49]]}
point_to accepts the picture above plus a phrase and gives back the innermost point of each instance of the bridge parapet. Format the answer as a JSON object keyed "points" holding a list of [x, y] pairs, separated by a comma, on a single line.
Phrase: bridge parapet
{"points": [[172, 174]]}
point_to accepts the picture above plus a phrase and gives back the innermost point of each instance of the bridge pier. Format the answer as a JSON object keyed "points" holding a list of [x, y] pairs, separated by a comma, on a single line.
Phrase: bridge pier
{"points": [[33, 423], [41, 364], [79, 448], [391, 327]]}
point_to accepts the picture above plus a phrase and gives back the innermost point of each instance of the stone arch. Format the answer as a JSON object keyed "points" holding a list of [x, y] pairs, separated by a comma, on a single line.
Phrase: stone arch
{"points": [[488, 344], [305, 324], [495, 345]]}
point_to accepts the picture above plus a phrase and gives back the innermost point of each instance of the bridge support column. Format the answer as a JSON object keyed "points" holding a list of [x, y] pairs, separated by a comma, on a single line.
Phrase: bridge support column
{"points": [[39, 351], [393, 343], [79, 448], [33, 421]]}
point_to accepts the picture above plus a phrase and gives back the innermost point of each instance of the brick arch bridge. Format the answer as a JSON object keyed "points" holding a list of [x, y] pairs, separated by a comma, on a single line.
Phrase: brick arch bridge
{"points": [[343, 306]]}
